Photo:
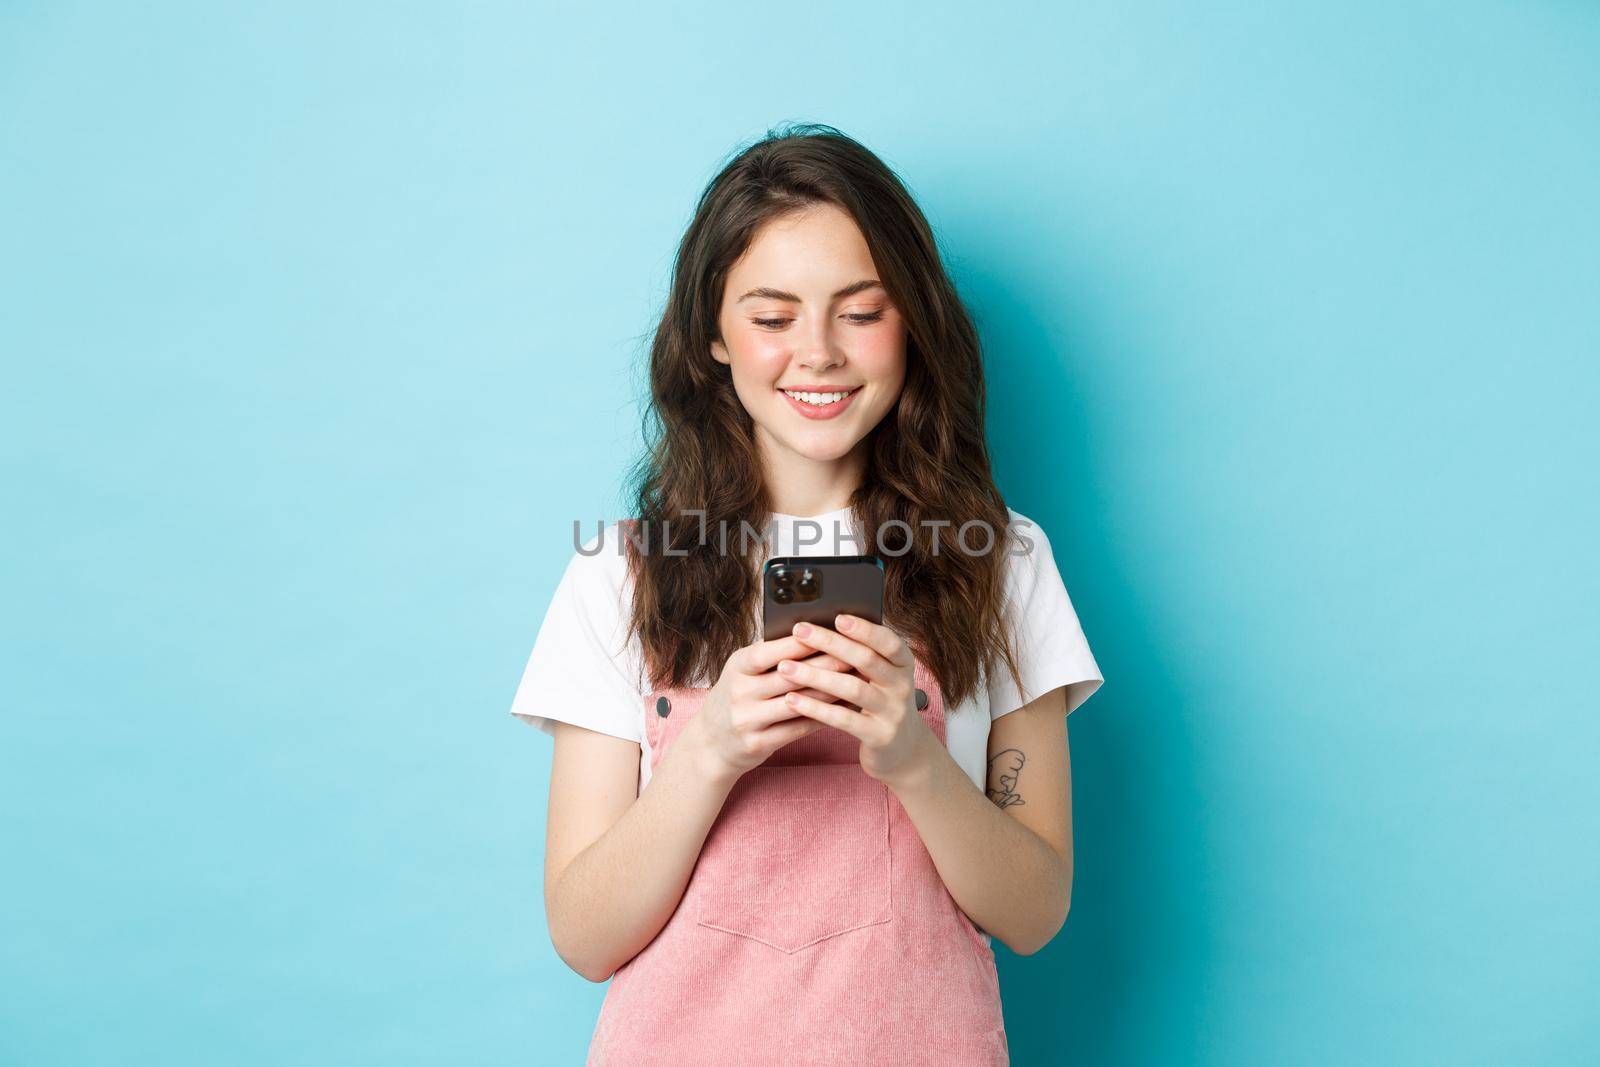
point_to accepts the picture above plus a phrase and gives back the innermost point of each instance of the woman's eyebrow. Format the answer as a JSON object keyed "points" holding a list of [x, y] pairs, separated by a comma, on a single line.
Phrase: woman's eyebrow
{"points": [[766, 292]]}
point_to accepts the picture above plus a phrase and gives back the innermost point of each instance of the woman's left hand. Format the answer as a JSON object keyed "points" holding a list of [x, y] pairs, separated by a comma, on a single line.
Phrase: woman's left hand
{"points": [[894, 738]]}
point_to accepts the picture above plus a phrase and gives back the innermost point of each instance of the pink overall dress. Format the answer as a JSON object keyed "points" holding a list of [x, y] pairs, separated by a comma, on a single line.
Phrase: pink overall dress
{"points": [[815, 928]]}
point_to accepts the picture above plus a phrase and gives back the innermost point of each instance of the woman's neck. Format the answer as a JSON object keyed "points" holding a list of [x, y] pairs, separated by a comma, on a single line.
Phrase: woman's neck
{"points": [[799, 485]]}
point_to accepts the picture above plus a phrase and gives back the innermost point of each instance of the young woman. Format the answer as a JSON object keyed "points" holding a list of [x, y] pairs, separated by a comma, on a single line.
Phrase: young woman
{"points": [[798, 850]]}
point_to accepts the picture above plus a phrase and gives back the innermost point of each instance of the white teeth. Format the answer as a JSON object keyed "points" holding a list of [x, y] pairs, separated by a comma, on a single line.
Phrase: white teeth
{"points": [[819, 399]]}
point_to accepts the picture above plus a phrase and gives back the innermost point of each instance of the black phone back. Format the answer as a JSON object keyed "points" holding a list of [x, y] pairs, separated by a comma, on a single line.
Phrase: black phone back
{"points": [[816, 588]]}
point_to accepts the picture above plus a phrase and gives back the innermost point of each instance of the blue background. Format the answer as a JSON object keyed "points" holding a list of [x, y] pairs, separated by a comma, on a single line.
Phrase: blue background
{"points": [[321, 322]]}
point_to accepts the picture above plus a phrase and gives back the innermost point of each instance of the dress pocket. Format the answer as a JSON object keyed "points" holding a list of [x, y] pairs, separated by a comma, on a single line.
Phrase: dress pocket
{"points": [[798, 855]]}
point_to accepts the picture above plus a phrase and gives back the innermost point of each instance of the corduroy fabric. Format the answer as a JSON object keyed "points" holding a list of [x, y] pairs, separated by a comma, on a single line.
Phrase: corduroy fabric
{"points": [[814, 929]]}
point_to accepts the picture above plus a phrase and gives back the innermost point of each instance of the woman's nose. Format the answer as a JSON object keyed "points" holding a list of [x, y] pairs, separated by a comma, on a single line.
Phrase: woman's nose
{"points": [[817, 352], [819, 357]]}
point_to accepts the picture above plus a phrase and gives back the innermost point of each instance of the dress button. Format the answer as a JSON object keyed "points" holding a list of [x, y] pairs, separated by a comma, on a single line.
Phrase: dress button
{"points": [[663, 707], [922, 700]]}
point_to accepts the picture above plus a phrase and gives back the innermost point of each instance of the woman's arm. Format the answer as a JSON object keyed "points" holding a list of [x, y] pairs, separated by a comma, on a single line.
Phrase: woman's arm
{"points": [[617, 863], [617, 860], [1005, 856], [1007, 861]]}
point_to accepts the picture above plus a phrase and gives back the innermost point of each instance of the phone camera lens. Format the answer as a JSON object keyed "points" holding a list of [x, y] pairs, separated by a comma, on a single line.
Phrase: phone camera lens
{"points": [[783, 595], [782, 577], [808, 584]]}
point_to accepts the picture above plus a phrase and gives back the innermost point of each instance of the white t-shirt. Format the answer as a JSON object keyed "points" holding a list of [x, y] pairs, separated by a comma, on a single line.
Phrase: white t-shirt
{"points": [[581, 673]]}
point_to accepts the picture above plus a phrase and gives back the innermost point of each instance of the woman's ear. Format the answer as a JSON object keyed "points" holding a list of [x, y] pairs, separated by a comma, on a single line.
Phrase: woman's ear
{"points": [[719, 352]]}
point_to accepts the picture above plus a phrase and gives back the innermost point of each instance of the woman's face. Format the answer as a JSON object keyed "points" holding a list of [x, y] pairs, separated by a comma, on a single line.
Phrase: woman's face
{"points": [[818, 353]]}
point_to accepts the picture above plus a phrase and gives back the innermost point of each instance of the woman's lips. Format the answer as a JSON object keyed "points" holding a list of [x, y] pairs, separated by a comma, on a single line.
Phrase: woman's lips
{"points": [[821, 411]]}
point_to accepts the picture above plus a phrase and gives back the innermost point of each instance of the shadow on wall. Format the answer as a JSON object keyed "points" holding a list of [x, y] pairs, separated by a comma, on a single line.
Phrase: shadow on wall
{"points": [[1133, 953]]}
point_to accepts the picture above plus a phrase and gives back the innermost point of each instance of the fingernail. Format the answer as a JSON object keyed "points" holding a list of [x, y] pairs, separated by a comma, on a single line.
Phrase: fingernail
{"points": [[792, 699], [802, 629], [786, 667], [844, 622]]}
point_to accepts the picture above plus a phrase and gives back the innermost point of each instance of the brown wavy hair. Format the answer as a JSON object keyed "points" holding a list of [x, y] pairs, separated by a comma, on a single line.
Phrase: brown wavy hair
{"points": [[927, 457]]}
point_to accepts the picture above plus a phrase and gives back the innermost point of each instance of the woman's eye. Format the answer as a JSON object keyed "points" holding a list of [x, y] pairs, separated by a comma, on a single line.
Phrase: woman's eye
{"points": [[859, 318]]}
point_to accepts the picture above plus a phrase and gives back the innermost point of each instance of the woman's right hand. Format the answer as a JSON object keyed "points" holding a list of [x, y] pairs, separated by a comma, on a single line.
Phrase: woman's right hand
{"points": [[744, 718]]}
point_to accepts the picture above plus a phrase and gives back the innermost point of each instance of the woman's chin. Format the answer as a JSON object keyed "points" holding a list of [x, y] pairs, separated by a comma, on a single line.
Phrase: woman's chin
{"points": [[823, 448]]}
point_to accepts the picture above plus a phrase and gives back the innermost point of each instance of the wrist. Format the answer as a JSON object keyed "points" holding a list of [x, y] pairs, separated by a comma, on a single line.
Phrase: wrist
{"points": [[702, 756], [918, 775]]}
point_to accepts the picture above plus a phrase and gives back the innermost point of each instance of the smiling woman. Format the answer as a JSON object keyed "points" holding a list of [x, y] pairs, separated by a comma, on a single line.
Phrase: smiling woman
{"points": [[802, 830], [836, 357]]}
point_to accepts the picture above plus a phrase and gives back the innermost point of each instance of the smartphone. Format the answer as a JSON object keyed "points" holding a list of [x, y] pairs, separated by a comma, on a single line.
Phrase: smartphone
{"points": [[814, 589]]}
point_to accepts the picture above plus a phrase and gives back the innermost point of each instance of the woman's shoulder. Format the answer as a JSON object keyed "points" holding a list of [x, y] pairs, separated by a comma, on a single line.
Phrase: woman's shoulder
{"points": [[597, 589], [1026, 538], [1030, 565], [599, 563]]}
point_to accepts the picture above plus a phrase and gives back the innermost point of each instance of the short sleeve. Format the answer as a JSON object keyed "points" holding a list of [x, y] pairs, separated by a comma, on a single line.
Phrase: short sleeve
{"points": [[581, 670], [1052, 650]]}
